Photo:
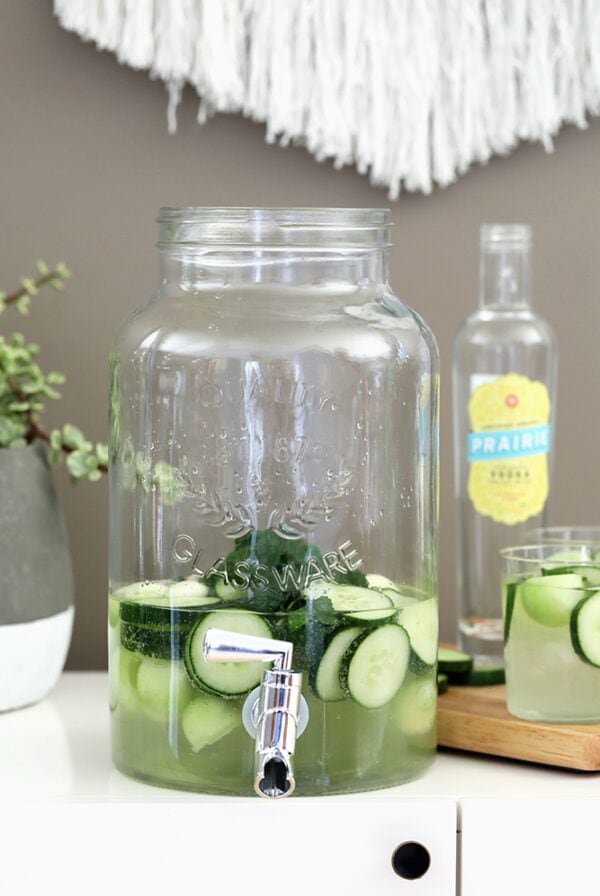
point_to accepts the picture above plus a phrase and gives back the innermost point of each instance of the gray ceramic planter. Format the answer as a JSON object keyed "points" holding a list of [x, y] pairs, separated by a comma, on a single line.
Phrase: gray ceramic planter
{"points": [[36, 583]]}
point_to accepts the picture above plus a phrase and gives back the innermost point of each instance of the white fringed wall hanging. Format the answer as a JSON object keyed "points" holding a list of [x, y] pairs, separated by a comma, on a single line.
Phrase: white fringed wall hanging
{"points": [[410, 91]]}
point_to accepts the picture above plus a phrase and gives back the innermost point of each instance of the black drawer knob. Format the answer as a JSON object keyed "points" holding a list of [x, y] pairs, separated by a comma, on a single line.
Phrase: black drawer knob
{"points": [[411, 860]]}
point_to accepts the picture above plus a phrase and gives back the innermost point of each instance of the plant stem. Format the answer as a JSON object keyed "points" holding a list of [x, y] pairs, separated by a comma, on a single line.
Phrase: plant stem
{"points": [[43, 280]]}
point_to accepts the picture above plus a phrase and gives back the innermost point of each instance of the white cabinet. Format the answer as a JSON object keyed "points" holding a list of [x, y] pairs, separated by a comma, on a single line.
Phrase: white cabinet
{"points": [[543, 846], [71, 824], [250, 847]]}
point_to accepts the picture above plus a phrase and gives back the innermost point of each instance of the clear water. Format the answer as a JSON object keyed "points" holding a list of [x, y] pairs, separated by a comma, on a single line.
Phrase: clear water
{"points": [[345, 747]]}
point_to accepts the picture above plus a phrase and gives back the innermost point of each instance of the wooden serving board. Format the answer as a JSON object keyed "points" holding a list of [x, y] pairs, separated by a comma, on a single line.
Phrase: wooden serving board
{"points": [[477, 720]]}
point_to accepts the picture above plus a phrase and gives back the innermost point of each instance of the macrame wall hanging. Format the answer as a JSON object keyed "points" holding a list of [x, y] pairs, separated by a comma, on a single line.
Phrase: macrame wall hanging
{"points": [[412, 92]]}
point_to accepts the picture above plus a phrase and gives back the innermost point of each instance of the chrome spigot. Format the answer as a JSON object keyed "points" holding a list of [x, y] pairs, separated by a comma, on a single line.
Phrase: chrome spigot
{"points": [[274, 711]]}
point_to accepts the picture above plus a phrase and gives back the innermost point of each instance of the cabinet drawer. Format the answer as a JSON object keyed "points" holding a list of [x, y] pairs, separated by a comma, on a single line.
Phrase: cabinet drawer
{"points": [[526, 847], [248, 846]]}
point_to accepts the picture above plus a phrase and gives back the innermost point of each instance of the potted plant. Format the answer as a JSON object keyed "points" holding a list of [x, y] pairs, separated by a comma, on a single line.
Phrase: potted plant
{"points": [[36, 595]]}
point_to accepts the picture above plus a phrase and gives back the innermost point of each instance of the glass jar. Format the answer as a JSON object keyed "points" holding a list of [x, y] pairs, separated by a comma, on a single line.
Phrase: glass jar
{"points": [[551, 610], [274, 472]]}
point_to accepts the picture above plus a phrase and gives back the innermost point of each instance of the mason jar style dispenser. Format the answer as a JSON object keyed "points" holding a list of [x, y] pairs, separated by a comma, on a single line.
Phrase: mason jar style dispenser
{"points": [[273, 511]]}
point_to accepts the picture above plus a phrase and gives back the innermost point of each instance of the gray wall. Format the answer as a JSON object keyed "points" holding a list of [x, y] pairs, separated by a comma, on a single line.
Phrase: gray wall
{"points": [[85, 161]]}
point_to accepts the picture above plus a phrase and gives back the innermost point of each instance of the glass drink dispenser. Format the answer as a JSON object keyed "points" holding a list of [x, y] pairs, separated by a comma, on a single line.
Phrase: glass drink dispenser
{"points": [[273, 511]]}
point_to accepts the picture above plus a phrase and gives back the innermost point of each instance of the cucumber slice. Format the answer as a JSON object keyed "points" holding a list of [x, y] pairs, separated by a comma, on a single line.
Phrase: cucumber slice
{"points": [[228, 592], [585, 629], [227, 679], [126, 674], [420, 620], [442, 683], [355, 604], [479, 676], [162, 686], [187, 593], [114, 614], [380, 583], [417, 709], [207, 719], [510, 594], [327, 679], [549, 600], [390, 589], [374, 665], [454, 661], [160, 642], [168, 610]]}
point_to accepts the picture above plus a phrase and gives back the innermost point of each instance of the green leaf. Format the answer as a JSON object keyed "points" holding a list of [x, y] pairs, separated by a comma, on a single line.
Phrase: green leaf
{"points": [[22, 305], [29, 286], [77, 464], [57, 284], [62, 270], [102, 453], [324, 612], [55, 378], [94, 475], [42, 267], [56, 440], [72, 436]]}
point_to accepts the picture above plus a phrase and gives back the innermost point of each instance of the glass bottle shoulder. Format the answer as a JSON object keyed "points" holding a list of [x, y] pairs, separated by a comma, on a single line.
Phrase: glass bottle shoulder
{"points": [[490, 327]]}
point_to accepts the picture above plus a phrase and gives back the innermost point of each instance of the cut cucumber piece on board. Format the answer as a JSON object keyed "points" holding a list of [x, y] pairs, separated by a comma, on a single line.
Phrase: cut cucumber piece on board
{"points": [[226, 679], [550, 600], [479, 676], [442, 683], [327, 677], [374, 665], [420, 621], [454, 661], [357, 605], [510, 595], [207, 719], [585, 629]]}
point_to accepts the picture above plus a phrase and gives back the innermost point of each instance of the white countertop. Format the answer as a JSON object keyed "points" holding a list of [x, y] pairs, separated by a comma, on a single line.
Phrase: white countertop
{"points": [[59, 751]]}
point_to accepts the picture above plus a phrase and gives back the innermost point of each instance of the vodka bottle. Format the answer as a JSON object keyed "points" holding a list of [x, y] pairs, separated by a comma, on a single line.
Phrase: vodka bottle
{"points": [[504, 382]]}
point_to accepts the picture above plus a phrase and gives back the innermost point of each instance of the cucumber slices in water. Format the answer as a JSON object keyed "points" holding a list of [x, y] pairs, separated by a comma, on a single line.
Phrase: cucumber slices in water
{"points": [[585, 629], [550, 599], [420, 621], [226, 679], [374, 665], [357, 605]]}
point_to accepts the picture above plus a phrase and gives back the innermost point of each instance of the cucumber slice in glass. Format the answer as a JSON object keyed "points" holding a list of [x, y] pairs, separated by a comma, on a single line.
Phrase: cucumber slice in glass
{"points": [[508, 606], [374, 665], [585, 629], [162, 685], [549, 600], [420, 621]]}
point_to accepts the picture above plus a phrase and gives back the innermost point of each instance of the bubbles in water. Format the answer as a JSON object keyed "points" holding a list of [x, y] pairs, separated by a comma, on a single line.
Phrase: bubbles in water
{"points": [[244, 427], [238, 490], [212, 327], [222, 433], [194, 471], [381, 513], [333, 405]]}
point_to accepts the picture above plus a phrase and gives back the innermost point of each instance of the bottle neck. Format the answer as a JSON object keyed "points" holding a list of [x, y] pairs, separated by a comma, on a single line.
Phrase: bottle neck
{"points": [[194, 271], [504, 278]]}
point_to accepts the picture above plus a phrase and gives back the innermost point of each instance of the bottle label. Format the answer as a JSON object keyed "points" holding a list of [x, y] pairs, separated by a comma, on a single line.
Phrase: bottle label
{"points": [[508, 447]]}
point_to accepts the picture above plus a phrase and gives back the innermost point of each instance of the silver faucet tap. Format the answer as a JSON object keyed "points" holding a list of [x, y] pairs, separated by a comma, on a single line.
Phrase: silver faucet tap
{"points": [[276, 710]]}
